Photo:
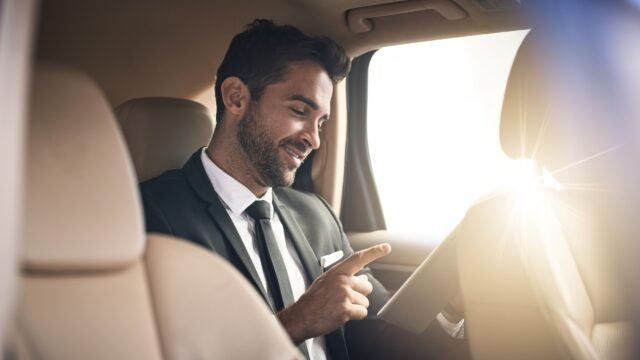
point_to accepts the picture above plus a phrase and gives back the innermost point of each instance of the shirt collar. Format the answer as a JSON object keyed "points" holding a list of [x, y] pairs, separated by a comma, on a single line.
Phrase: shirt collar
{"points": [[235, 196]]}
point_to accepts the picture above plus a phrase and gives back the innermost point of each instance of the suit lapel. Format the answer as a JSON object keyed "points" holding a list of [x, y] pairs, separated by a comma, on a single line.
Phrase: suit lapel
{"points": [[198, 179], [335, 340], [221, 217], [307, 256]]}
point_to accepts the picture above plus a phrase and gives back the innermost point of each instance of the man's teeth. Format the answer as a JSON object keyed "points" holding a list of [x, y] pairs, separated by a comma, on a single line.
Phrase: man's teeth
{"points": [[293, 153]]}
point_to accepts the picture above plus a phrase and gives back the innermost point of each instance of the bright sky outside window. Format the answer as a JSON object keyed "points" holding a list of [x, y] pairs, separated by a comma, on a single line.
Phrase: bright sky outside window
{"points": [[433, 119]]}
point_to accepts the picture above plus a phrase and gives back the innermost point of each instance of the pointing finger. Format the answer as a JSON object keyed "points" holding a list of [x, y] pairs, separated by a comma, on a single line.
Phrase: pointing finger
{"points": [[362, 258]]}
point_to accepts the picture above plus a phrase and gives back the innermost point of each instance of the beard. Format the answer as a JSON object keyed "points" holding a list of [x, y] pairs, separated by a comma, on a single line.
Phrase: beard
{"points": [[264, 152]]}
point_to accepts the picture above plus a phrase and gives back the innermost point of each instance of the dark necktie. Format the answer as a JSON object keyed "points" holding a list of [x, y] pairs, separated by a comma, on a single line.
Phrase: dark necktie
{"points": [[272, 263]]}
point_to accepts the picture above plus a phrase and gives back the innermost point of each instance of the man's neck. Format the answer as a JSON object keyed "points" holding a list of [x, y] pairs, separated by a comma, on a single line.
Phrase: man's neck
{"points": [[236, 168]]}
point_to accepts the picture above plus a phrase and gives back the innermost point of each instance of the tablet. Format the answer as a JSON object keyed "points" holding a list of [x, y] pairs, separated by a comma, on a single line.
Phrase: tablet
{"points": [[427, 291]]}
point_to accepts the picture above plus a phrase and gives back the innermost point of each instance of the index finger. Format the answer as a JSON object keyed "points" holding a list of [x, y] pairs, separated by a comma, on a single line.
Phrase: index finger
{"points": [[362, 258]]}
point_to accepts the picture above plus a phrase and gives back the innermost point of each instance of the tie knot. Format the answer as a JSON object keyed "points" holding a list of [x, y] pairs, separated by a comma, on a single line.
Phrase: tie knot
{"points": [[259, 210]]}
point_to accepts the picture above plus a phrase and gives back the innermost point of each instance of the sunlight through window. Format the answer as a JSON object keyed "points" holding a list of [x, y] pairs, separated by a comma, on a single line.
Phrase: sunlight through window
{"points": [[433, 126]]}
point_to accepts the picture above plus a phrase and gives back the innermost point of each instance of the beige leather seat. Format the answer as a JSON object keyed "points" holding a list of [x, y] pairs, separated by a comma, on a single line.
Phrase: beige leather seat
{"points": [[537, 267], [162, 132], [93, 285]]}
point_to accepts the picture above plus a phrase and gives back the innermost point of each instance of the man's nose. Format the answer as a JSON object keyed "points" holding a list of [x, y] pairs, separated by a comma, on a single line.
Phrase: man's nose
{"points": [[312, 135]]}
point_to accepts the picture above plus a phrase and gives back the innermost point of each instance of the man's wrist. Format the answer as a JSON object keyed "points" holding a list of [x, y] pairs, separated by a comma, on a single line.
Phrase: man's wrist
{"points": [[293, 325]]}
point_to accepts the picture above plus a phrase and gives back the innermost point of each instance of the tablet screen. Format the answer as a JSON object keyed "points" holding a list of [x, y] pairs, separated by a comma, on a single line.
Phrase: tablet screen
{"points": [[427, 291]]}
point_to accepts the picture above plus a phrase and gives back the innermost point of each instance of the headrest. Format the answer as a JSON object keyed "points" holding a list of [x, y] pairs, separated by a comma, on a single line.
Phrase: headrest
{"points": [[554, 113], [163, 132], [525, 105], [82, 205]]}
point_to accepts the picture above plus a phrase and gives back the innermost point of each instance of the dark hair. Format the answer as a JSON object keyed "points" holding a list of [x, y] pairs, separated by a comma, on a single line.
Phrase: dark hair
{"points": [[260, 56]]}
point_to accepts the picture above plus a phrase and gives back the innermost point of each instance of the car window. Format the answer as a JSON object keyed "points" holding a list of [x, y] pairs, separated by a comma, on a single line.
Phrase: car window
{"points": [[432, 120]]}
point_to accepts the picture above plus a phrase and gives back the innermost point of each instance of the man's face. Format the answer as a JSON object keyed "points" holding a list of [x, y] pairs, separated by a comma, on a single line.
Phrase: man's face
{"points": [[280, 129]]}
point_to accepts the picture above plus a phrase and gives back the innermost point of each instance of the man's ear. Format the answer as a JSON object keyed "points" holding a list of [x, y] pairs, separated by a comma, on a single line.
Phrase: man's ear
{"points": [[235, 96]]}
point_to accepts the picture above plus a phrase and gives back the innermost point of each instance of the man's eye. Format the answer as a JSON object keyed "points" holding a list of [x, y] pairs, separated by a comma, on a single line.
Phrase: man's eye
{"points": [[297, 112]]}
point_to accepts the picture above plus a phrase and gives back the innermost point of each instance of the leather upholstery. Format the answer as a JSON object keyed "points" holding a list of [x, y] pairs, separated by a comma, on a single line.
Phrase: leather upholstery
{"points": [[102, 316], [549, 114], [162, 132], [327, 170], [502, 317], [207, 310], [537, 271], [80, 181], [93, 287]]}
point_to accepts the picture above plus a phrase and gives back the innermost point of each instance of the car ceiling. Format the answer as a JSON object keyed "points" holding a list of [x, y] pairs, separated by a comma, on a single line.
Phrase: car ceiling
{"points": [[172, 48]]}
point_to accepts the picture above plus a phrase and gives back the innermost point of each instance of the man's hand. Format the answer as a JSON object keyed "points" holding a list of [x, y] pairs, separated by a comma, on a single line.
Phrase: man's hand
{"points": [[334, 298]]}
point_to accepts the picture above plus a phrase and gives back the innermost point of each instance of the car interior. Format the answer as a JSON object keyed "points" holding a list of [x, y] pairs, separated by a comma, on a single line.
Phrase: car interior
{"points": [[98, 96]]}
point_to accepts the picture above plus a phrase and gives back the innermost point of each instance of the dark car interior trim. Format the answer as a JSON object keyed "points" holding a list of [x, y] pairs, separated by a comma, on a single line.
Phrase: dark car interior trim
{"points": [[361, 210]]}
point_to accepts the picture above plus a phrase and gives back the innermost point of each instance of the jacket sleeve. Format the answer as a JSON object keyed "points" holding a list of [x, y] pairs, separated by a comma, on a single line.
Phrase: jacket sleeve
{"points": [[155, 220]]}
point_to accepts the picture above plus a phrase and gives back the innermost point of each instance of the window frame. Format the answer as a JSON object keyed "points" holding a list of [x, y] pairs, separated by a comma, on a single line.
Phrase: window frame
{"points": [[361, 207]]}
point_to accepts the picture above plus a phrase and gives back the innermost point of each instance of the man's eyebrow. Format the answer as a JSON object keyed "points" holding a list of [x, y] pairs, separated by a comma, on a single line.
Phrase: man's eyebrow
{"points": [[305, 100], [309, 102]]}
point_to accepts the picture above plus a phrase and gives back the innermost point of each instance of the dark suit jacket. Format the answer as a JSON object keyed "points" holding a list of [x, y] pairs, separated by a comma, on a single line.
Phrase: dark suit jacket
{"points": [[183, 203]]}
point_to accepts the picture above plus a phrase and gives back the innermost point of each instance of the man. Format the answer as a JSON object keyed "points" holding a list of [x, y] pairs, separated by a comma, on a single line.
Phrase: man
{"points": [[273, 93]]}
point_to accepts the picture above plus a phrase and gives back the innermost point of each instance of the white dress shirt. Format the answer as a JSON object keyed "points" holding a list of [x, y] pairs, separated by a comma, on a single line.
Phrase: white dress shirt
{"points": [[236, 198]]}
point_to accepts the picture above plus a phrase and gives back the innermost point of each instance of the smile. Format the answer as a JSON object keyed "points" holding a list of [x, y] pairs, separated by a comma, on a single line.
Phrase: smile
{"points": [[294, 153]]}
